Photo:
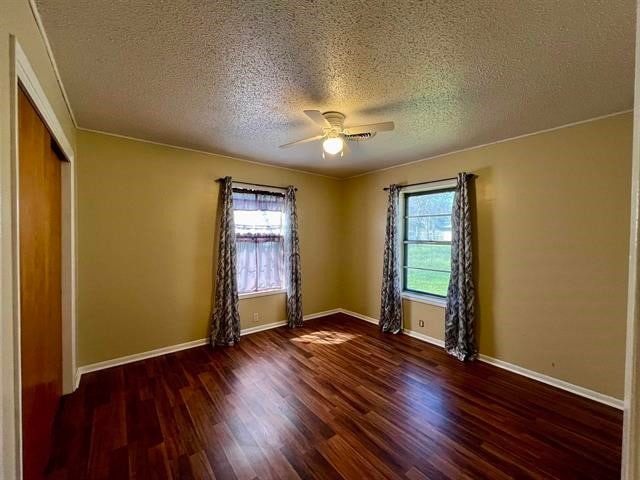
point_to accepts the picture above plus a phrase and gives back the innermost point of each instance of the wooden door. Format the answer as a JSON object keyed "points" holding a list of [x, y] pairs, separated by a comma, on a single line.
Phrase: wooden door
{"points": [[40, 286]]}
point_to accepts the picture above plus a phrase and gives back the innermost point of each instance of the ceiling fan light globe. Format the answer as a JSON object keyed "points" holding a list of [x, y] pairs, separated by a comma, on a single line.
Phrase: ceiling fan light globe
{"points": [[333, 145]]}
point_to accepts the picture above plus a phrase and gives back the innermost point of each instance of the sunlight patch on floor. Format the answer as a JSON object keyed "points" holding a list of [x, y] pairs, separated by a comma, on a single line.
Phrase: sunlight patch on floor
{"points": [[325, 337]]}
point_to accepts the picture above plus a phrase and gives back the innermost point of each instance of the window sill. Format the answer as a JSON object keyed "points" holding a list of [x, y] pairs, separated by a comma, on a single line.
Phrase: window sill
{"points": [[428, 299], [262, 293]]}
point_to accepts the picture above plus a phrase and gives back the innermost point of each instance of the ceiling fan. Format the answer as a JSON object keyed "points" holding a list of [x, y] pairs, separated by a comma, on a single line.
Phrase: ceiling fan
{"points": [[335, 133]]}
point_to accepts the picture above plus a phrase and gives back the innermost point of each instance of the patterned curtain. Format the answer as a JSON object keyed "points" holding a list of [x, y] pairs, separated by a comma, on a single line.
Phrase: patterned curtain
{"points": [[293, 274], [459, 335], [391, 303], [225, 320]]}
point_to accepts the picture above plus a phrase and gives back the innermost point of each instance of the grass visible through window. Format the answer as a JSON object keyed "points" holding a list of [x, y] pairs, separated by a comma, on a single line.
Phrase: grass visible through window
{"points": [[428, 256], [435, 283]]}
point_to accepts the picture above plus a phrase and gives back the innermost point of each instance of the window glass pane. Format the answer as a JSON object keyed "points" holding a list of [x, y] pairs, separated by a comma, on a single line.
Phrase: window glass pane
{"points": [[257, 222], [246, 265], [437, 257], [270, 259], [259, 263], [244, 200], [425, 281], [429, 228], [430, 203]]}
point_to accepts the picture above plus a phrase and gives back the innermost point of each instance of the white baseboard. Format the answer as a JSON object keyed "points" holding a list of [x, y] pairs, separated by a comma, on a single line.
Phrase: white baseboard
{"points": [[183, 346], [262, 328], [269, 326], [425, 338], [136, 357], [540, 377], [555, 382], [359, 316], [333, 311]]}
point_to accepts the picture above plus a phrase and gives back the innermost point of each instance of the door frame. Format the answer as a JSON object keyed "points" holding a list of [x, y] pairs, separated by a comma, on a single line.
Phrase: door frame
{"points": [[631, 429], [23, 76]]}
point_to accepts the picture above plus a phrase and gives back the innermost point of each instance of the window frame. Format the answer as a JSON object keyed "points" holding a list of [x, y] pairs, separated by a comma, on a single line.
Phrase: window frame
{"points": [[435, 187], [265, 191]]}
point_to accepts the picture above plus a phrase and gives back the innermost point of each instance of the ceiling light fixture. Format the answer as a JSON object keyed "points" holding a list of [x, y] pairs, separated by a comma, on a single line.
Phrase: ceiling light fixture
{"points": [[333, 145]]}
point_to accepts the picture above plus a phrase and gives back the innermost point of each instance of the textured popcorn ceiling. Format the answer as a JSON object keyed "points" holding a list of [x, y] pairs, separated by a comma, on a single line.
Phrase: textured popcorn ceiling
{"points": [[233, 77]]}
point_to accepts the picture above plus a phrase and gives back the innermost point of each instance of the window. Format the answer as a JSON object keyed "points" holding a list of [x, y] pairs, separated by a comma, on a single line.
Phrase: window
{"points": [[427, 241], [258, 217]]}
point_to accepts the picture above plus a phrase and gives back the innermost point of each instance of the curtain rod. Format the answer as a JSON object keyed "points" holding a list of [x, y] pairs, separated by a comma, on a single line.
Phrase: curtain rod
{"points": [[430, 181], [256, 184]]}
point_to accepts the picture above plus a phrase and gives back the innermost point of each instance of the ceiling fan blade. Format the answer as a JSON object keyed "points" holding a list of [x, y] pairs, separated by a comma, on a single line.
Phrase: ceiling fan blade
{"points": [[346, 149], [318, 118], [374, 127], [299, 142]]}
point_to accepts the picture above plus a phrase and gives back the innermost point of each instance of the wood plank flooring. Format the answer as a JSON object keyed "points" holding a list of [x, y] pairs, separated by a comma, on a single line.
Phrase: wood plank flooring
{"points": [[334, 399]]}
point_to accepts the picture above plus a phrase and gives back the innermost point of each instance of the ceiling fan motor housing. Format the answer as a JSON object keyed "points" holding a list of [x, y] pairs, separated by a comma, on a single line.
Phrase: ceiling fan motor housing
{"points": [[335, 119]]}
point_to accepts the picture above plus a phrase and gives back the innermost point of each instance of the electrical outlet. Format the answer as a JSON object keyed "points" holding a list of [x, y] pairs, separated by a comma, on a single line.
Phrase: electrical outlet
{"points": [[421, 323], [256, 317]]}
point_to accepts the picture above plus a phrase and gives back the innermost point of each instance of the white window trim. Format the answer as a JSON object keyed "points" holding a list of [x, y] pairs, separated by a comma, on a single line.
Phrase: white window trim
{"points": [[262, 293], [425, 298], [414, 296], [430, 186]]}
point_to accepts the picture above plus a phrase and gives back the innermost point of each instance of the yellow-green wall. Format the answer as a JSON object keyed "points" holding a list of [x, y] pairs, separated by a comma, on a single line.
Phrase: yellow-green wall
{"points": [[551, 249], [552, 225], [146, 223]]}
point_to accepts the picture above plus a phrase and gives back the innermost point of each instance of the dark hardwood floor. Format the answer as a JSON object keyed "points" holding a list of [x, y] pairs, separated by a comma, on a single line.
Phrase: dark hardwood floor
{"points": [[335, 399]]}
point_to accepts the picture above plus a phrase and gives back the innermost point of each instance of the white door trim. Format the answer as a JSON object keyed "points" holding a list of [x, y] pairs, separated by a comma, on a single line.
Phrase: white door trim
{"points": [[631, 429], [22, 74]]}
